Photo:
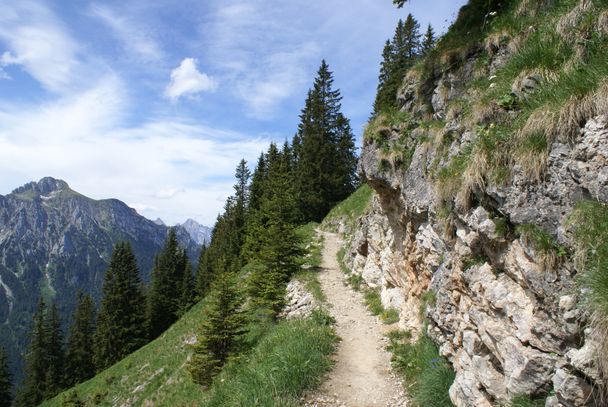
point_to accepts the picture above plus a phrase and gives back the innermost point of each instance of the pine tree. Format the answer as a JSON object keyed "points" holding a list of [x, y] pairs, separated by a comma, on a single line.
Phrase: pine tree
{"points": [[324, 178], [221, 335], [187, 286], [55, 354], [398, 56], [257, 184], [428, 42], [33, 388], [273, 246], [121, 323], [165, 290], [204, 274], [80, 365], [411, 39], [6, 387]]}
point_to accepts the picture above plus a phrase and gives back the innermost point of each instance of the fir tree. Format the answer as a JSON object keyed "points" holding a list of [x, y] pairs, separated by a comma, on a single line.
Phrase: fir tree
{"points": [[121, 323], [165, 290], [411, 40], [272, 244], [221, 335], [256, 188], [6, 388], [34, 385], [398, 56], [204, 275], [80, 364], [324, 177], [187, 286], [55, 354], [428, 42]]}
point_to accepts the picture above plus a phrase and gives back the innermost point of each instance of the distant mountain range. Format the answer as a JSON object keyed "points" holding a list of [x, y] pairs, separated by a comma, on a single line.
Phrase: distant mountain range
{"points": [[55, 242]]}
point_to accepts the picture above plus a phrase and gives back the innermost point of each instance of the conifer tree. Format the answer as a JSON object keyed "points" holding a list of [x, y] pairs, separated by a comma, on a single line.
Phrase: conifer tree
{"points": [[221, 335], [55, 354], [428, 42], [257, 184], [187, 287], [398, 56], [204, 274], [6, 387], [80, 365], [165, 290], [33, 388], [411, 39], [324, 177], [121, 323], [272, 243]]}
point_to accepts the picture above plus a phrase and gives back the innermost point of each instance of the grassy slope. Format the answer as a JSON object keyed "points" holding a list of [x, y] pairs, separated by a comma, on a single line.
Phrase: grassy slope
{"points": [[287, 358], [349, 210]]}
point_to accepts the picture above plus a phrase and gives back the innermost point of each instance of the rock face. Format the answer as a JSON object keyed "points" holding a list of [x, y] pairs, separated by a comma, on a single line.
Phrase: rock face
{"points": [[199, 233], [506, 317], [55, 242]]}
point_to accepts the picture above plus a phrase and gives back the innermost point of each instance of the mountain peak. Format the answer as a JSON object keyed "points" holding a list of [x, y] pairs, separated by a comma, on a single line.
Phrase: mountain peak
{"points": [[45, 186]]}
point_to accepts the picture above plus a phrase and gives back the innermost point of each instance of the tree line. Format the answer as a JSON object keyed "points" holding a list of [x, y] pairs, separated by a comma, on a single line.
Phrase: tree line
{"points": [[242, 274], [129, 316], [400, 53], [255, 247]]}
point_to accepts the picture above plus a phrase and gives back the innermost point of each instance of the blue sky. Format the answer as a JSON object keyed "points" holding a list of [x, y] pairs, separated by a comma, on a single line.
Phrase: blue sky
{"points": [[154, 102]]}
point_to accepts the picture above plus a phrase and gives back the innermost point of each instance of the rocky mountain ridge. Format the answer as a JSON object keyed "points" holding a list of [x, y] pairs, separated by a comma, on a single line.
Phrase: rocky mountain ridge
{"points": [[490, 264], [55, 242]]}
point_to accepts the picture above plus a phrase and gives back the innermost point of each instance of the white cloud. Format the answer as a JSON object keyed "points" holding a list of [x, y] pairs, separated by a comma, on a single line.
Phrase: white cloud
{"points": [[168, 193], [135, 36], [39, 43], [187, 80], [82, 139]]}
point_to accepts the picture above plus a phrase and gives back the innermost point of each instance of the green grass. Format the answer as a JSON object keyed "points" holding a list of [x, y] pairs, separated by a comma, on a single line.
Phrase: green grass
{"points": [[526, 401], [313, 243], [287, 358], [374, 304], [290, 359], [157, 371], [427, 375], [350, 209], [541, 241], [590, 222]]}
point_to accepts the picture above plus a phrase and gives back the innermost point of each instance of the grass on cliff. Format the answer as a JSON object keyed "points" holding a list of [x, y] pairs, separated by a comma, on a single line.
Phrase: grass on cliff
{"points": [[350, 209], [286, 358], [427, 375]]}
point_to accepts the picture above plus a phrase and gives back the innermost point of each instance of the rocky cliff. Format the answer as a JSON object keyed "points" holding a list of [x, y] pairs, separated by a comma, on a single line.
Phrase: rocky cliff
{"points": [[475, 180], [55, 242]]}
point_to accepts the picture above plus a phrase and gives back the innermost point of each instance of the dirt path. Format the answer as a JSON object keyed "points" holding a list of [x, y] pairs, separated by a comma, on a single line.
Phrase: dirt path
{"points": [[362, 375]]}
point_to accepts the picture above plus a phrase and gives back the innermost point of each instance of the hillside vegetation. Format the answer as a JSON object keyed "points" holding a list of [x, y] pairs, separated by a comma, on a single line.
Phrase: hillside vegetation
{"points": [[286, 358]]}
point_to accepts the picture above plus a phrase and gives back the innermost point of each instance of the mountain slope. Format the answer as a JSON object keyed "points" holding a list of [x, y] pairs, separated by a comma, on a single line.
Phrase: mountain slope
{"points": [[55, 241], [286, 358]]}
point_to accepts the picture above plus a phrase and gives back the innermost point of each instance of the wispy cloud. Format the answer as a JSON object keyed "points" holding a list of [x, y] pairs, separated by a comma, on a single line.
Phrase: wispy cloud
{"points": [[186, 80], [82, 139], [39, 43], [134, 36]]}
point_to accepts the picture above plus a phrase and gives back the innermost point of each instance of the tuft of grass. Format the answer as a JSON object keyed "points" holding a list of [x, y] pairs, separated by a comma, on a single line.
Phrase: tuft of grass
{"points": [[373, 301], [526, 401], [590, 224], [427, 375], [543, 243], [290, 359], [390, 316], [374, 304], [355, 281], [313, 244]]}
